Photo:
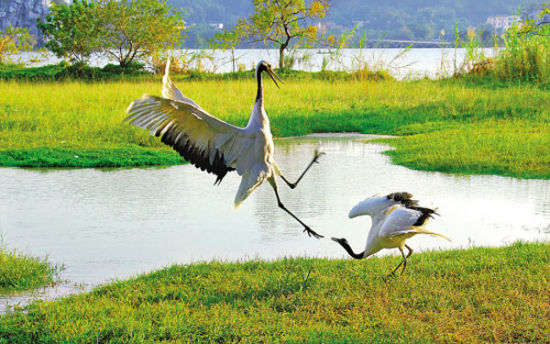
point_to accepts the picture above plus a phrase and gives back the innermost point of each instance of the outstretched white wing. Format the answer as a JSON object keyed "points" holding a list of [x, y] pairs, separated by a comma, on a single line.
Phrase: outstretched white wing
{"points": [[370, 206], [207, 142]]}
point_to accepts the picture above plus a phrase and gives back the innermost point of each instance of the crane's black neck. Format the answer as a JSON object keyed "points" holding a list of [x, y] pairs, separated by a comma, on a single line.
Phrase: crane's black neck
{"points": [[347, 247], [260, 93]]}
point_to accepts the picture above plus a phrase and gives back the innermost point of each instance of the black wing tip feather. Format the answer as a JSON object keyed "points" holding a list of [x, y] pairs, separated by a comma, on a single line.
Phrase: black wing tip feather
{"points": [[196, 156], [405, 198], [426, 213]]}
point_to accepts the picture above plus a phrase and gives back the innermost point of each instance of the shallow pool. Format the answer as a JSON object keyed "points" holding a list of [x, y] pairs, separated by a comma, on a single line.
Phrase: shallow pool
{"points": [[109, 224]]}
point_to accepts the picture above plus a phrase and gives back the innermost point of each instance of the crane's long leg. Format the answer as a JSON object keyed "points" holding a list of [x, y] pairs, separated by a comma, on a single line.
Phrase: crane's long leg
{"points": [[315, 159], [403, 262], [307, 229]]}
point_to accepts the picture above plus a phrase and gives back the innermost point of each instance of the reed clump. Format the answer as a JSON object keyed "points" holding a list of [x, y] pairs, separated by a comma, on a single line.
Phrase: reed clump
{"points": [[21, 272], [525, 56]]}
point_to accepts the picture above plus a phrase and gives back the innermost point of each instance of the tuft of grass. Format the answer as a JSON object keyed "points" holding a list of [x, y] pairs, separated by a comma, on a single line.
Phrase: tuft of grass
{"points": [[20, 272], [473, 295]]}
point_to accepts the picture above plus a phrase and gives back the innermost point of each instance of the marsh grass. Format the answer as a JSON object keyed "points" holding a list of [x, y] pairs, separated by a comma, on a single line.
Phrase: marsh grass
{"points": [[526, 53], [45, 124], [130, 156], [524, 57], [506, 148], [473, 295], [20, 272]]}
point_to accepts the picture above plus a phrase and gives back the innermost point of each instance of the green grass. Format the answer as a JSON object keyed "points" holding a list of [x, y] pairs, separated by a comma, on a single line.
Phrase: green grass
{"points": [[77, 118], [474, 295], [106, 157], [20, 272], [507, 148]]}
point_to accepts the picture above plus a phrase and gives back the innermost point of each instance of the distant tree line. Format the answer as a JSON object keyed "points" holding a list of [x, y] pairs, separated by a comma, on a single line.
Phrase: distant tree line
{"points": [[133, 29], [129, 30], [377, 19]]}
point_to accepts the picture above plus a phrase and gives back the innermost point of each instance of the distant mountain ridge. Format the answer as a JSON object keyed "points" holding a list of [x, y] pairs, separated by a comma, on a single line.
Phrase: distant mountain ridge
{"points": [[403, 19], [24, 13]]}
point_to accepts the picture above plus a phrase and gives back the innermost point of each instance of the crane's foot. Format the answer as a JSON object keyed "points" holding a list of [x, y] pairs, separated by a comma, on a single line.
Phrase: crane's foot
{"points": [[388, 277], [310, 232], [317, 155]]}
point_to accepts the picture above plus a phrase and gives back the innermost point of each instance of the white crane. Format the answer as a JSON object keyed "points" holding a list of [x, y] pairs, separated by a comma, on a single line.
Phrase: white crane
{"points": [[395, 218], [214, 145]]}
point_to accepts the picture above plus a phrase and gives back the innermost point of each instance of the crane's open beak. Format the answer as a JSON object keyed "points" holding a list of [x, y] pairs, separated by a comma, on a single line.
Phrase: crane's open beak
{"points": [[273, 76]]}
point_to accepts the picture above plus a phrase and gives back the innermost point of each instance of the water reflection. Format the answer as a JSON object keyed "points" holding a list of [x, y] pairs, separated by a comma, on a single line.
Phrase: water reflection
{"points": [[105, 225], [11, 303], [415, 63]]}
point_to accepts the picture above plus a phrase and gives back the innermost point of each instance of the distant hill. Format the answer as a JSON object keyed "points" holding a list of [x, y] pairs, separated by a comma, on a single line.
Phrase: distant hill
{"points": [[388, 19], [23, 13]]}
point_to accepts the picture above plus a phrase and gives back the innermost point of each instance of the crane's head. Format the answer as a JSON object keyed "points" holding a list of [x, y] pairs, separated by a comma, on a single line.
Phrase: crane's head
{"points": [[264, 66]]}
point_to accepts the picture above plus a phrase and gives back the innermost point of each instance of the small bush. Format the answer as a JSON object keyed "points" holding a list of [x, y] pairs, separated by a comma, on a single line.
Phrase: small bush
{"points": [[80, 70], [65, 71], [19, 272], [525, 56], [131, 69]]}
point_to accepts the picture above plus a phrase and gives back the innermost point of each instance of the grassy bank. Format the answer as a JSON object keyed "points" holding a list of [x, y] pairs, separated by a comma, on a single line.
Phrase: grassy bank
{"points": [[507, 148], [19, 272], [48, 124], [474, 295]]}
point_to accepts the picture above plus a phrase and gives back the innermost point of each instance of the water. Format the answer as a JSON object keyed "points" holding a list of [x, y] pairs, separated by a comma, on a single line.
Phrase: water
{"points": [[112, 224], [413, 63]]}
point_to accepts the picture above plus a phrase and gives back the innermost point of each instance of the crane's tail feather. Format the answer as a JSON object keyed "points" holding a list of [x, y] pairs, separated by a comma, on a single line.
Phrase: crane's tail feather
{"points": [[422, 230], [250, 181]]}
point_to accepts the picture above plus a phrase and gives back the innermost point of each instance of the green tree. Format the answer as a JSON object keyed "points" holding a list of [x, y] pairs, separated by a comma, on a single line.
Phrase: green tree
{"points": [[73, 31], [278, 22], [13, 40], [139, 28]]}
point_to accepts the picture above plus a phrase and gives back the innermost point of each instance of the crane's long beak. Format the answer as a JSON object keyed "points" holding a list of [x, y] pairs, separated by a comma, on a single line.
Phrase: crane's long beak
{"points": [[273, 76]]}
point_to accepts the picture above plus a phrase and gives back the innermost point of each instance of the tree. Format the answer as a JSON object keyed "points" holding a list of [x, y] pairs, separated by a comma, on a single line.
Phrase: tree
{"points": [[123, 30], [139, 28], [278, 22], [13, 40], [73, 31]]}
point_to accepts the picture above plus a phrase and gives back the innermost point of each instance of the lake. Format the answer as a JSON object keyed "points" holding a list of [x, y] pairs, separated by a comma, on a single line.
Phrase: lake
{"points": [[411, 63]]}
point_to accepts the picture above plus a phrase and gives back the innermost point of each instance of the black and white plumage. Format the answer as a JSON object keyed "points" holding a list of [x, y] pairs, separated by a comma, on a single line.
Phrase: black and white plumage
{"points": [[212, 144], [395, 218]]}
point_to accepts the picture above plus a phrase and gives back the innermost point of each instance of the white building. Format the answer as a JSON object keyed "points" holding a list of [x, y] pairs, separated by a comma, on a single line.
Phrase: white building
{"points": [[216, 26], [502, 22]]}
